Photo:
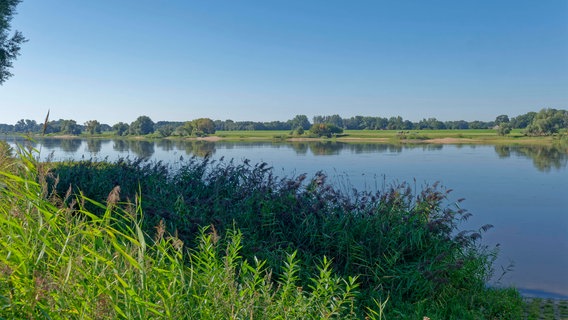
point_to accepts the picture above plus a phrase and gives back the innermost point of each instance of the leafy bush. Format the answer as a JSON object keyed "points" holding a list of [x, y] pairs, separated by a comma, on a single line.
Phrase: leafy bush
{"points": [[403, 245], [325, 130]]}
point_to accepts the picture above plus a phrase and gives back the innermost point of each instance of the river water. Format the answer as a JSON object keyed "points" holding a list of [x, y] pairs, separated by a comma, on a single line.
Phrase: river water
{"points": [[521, 190]]}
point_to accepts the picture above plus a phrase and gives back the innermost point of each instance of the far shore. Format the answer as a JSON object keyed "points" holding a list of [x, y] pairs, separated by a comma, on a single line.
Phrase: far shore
{"points": [[356, 136]]}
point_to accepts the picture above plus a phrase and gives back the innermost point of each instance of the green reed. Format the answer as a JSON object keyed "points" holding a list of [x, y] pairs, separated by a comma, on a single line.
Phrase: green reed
{"points": [[400, 248], [59, 260]]}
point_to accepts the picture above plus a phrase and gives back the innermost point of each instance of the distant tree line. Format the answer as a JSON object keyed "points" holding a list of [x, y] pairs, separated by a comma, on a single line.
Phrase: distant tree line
{"points": [[545, 122]]}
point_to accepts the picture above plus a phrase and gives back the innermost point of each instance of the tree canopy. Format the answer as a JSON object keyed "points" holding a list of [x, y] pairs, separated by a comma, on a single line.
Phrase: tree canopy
{"points": [[9, 45]]}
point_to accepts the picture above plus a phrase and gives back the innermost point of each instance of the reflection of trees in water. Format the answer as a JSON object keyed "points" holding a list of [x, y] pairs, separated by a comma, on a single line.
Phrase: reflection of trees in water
{"points": [[300, 147], [200, 148], [197, 148], [120, 146], [432, 146], [142, 149], [94, 145], [358, 148], [70, 145], [325, 148], [373, 148], [166, 145], [51, 143], [545, 158]]}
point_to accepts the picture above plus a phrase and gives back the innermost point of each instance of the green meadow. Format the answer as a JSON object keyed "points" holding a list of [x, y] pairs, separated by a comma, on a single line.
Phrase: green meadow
{"points": [[469, 136]]}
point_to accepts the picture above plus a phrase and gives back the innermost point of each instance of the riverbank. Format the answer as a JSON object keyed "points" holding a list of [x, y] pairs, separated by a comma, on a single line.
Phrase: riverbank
{"points": [[394, 136], [469, 136]]}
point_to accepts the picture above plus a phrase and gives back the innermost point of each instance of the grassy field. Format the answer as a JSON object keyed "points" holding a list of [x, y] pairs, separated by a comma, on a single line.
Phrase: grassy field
{"points": [[397, 136]]}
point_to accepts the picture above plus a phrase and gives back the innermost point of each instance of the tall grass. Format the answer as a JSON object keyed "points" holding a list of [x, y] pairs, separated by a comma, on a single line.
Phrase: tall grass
{"points": [[58, 260], [396, 253]]}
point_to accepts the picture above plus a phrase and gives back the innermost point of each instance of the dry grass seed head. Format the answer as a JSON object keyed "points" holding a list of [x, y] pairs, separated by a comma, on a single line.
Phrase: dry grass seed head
{"points": [[160, 230], [114, 196]]}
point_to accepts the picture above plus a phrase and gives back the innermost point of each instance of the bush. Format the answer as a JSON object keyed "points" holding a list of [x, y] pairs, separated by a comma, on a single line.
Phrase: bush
{"points": [[403, 246], [325, 130]]}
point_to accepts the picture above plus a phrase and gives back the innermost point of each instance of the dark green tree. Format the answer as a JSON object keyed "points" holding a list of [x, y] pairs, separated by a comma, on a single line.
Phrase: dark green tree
{"points": [[502, 119], [121, 128], [9, 45], [522, 121], [300, 121], [142, 126], [325, 129]]}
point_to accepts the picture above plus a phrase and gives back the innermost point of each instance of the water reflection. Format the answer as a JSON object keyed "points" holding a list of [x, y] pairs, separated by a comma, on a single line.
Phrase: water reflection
{"points": [[545, 158], [142, 149], [120, 146], [94, 145]]}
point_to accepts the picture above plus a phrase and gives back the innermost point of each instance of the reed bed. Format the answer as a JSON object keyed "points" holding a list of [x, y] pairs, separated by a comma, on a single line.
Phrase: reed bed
{"points": [[89, 240], [58, 260]]}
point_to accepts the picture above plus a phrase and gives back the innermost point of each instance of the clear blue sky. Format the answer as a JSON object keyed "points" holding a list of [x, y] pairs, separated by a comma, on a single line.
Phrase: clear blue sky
{"points": [[270, 60]]}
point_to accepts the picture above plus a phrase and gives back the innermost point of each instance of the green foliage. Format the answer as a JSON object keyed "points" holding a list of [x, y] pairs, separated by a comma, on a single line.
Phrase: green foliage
{"points": [[184, 130], [548, 122], [504, 129], [523, 120], [299, 122], [121, 128], [93, 127], [9, 46], [59, 260], [402, 245], [325, 130], [501, 119], [203, 126], [143, 125]]}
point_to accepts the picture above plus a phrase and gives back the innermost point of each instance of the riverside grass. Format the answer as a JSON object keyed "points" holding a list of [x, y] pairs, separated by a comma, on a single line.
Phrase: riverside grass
{"points": [[395, 254], [64, 262]]}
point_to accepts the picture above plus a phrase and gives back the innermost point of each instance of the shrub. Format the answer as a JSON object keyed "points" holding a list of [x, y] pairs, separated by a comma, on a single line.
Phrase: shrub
{"points": [[403, 245]]}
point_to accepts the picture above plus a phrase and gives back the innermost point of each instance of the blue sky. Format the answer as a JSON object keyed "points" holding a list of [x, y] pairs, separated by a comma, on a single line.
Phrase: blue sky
{"points": [[270, 60]]}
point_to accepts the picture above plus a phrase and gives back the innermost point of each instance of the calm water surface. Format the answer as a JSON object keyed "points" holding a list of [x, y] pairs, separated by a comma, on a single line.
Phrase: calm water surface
{"points": [[521, 190]]}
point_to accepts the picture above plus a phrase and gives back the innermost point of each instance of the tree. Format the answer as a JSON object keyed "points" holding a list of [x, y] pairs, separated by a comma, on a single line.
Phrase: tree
{"points": [[300, 121], [504, 129], [9, 46], [166, 130], [26, 126], [204, 125], [70, 127], [325, 129], [93, 126], [121, 128], [142, 126], [185, 129], [522, 121], [548, 122], [502, 119]]}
